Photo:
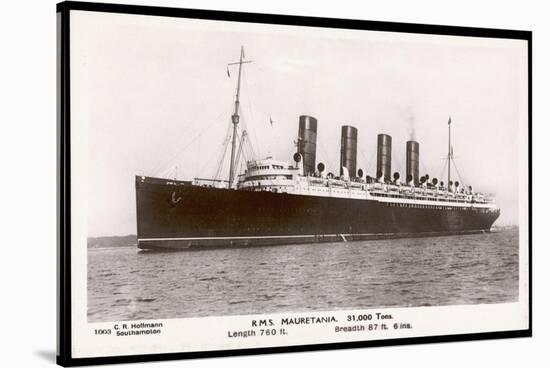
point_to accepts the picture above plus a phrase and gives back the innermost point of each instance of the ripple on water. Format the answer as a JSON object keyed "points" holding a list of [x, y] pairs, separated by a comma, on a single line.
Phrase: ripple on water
{"points": [[450, 270]]}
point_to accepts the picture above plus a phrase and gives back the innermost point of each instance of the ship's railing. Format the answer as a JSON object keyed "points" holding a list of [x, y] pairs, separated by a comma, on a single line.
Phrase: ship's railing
{"points": [[403, 191], [441, 195], [213, 183], [376, 189]]}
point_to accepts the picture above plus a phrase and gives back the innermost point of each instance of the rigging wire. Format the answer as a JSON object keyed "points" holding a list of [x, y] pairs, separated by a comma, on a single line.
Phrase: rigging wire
{"points": [[249, 105], [399, 160], [223, 152], [163, 167], [423, 167], [368, 161], [249, 144], [458, 173], [329, 162], [241, 155], [442, 171], [207, 165], [245, 157], [251, 153]]}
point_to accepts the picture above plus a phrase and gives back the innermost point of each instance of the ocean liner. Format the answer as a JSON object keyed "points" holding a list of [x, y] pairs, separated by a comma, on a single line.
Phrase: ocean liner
{"points": [[275, 202]]}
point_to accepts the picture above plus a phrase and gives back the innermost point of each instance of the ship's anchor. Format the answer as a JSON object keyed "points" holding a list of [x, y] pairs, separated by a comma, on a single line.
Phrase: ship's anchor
{"points": [[175, 200]]}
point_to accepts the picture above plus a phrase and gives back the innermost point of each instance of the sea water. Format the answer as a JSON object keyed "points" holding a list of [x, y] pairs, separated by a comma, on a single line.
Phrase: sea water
{"points": [[126, 284]]}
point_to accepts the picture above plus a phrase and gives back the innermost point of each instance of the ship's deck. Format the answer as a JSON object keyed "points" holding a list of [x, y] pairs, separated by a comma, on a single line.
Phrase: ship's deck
{"points": [[383, 192]]}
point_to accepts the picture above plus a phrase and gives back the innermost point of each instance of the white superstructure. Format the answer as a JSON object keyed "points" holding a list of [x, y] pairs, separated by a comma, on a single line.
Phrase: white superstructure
{"points": [[281, 177]]}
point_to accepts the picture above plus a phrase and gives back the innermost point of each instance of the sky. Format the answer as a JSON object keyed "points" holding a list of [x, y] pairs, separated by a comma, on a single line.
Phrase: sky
{"points": [[158, 97]]}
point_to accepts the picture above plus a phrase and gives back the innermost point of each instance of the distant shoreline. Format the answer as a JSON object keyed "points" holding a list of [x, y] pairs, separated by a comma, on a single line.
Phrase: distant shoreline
{"points": [[112, 241]]}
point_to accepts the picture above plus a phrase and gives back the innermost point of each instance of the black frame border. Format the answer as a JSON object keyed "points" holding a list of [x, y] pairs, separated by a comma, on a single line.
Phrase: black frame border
{"points": [[64, 356]]}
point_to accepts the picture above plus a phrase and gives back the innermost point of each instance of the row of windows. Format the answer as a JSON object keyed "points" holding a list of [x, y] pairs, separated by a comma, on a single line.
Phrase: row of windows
{"points": [[266, 167], [460, 200], [265, 189], [263, 167], [268, 177], [409, 205]]}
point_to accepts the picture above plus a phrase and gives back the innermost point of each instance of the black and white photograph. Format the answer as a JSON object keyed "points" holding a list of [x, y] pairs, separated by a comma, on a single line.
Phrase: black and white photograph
{"points": [[377, 162], [314, 184]]}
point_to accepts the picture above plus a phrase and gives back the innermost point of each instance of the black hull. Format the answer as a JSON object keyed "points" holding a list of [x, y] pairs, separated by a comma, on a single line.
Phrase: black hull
{"points": [[174, 215]]}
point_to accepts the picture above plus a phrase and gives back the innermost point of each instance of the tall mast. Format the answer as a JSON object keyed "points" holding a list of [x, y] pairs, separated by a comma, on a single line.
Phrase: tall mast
{"points": [[449, 157], [235, 118]]}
